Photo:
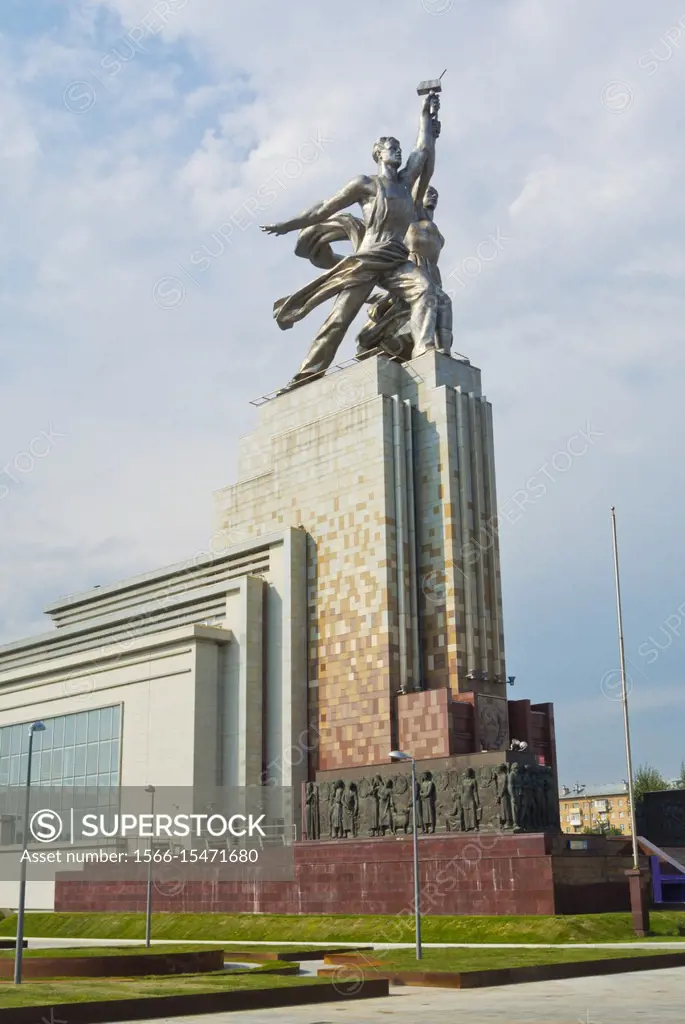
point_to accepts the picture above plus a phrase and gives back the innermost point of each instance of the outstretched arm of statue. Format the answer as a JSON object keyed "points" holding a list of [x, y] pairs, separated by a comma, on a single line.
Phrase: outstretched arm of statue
{"points": [[354, 192], [422, 183], [424, 150]]}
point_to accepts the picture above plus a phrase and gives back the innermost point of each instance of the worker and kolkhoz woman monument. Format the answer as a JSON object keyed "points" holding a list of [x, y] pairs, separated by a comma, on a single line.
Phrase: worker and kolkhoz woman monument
{"points": [[396, 247]]}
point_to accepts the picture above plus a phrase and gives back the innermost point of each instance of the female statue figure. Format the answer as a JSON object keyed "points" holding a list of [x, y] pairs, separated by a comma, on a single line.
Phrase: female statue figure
{"points": [[311, 812], [387, 808], [506, 817], [427, 795], [337, 811], [470, 801], [376, 787], [351, 811]]}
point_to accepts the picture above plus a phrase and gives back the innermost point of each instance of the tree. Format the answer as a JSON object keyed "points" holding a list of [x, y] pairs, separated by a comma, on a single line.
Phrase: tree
{"points": [[680, 781], [647, 779], [602, 828]]}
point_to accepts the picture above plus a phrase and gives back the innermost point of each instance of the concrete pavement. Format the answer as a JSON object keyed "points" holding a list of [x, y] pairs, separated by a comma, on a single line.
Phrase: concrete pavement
{"points": [[624, 999]]}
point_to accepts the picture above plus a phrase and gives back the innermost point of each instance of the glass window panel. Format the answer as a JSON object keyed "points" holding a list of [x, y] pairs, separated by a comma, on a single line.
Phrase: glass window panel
{"points": [[15, 739], [93, 726], [105, 756], [74, 747], [8, 833], [106, 723], [79, 790], [103, 781], [92, 759], [82, 727], [91, 782], [46, 737], [58, 732], [69, 730]]}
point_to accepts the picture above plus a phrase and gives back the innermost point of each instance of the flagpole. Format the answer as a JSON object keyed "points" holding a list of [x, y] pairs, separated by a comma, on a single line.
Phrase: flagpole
{"points": [[624, 693]]}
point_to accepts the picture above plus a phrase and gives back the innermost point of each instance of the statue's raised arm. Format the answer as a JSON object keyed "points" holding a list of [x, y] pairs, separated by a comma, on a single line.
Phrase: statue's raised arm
{"points": [[424, 150], [422, 183]]}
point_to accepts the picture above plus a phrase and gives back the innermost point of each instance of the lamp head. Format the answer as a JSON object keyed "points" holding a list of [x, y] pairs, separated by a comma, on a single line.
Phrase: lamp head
{"points": [[37, 727], [399, 755], [150, 789]]}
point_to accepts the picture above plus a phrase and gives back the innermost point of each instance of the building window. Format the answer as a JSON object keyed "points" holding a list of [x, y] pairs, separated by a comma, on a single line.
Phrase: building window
{"points": [[621, 814], [75, 755]]}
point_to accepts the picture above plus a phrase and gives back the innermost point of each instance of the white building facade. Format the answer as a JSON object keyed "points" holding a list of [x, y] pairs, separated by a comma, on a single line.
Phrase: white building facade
{"points": [[188, 676]]}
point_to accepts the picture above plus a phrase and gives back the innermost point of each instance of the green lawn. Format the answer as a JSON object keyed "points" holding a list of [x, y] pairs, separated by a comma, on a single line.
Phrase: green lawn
{"points": [[87, 951], [463, 960], [69, 991], [235, 928]]}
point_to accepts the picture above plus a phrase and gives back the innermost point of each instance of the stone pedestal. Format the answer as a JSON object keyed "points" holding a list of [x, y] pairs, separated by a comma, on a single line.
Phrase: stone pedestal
{"points": [[389, 468], [639, 900], [460, 874]]}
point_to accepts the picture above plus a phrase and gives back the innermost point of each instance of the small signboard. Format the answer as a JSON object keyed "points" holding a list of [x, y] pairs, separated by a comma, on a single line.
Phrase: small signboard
{"points": [[577, 844]]}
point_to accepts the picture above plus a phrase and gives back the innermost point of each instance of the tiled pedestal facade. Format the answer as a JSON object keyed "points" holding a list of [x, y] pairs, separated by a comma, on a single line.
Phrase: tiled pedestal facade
{"points": [[389, 469], [460, 874]]}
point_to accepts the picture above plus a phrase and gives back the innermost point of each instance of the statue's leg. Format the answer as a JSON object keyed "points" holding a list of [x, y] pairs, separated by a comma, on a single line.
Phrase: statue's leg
{"points": [[412, 284], [328, 340]]}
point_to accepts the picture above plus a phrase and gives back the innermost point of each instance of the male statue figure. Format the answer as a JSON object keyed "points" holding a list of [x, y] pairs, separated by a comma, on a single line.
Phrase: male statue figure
{"points": [[382, 257], [389, 316]]}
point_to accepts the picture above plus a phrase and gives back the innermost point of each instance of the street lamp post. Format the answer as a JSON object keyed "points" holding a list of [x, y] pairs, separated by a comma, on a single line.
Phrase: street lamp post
{"points": [[18, 954], [148, 906], [637, 897], [398, 755]]}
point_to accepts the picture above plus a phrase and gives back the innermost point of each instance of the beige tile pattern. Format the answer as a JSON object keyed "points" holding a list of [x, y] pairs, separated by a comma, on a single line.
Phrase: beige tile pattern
{"points": [[323, 458]]}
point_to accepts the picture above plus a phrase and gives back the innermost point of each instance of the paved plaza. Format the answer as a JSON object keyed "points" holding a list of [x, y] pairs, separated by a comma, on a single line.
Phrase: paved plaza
{"points": [[624, 999]]}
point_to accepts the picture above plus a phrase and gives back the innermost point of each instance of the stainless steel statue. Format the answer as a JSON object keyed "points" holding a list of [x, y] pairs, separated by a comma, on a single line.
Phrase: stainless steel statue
{"points": [[388, 325], [382, 258]]}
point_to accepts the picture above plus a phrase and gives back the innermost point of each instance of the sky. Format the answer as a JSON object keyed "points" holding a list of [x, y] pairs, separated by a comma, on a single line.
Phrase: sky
{"points": [[141, 144]]}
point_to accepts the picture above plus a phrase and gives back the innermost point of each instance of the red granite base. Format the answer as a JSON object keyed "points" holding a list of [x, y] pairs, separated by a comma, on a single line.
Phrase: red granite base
{"points": [[460, 874]]}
